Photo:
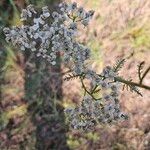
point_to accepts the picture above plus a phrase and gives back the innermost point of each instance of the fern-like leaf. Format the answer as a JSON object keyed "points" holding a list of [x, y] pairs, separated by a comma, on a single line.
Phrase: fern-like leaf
{"points": [[140, 69], [131, 87], [135, 89], [119, 64], [71, 77]]}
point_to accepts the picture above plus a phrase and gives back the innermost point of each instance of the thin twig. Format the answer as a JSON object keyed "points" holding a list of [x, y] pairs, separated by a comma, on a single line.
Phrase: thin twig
{"points": [[144, 74], [94, 89], [85, 89], [140, 67]]}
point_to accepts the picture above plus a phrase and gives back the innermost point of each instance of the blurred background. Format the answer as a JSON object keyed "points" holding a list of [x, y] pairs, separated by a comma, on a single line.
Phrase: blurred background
{"points": [[33, 94]]}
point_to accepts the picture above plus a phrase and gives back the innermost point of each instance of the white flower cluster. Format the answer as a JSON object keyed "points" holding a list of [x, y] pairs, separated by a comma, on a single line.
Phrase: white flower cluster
{"points": [[50, 35], [105, 109], [84, 116]]}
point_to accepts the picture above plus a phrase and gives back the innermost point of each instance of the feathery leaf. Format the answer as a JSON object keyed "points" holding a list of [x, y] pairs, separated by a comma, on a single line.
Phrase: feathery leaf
{"points": [[71, 77], [119, 64]]}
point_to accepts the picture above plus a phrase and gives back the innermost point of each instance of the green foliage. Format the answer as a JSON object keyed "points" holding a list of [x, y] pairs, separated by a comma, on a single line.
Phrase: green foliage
{"points": [[92, 136], [78, 140], [72, 142], [142, 37], [3, 121]]}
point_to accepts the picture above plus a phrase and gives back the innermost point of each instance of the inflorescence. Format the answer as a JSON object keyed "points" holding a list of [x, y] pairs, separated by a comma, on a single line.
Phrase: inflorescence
{"points": [[93, 111], [49, 35]]}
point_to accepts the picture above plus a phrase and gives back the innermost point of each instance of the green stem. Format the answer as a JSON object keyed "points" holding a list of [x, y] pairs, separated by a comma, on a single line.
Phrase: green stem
{"points": [[14, 7], [85, 89]]}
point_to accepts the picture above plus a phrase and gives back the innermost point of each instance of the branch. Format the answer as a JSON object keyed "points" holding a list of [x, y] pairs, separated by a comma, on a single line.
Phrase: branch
{"points": [[132, 83], [144, 74], [85, 89]]}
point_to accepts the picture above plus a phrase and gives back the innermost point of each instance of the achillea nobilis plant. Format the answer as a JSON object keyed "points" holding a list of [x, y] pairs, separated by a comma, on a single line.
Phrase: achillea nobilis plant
{"points": [[48, 35]]}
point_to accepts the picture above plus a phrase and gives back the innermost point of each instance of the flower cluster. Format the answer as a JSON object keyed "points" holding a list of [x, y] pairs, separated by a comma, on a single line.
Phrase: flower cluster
{"points": [[105, 109], [92, 112], [84, 116], [51, 34]]}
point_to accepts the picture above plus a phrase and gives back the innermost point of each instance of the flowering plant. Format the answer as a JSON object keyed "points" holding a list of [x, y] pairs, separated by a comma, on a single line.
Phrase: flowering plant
{"points": [[49, 35]]}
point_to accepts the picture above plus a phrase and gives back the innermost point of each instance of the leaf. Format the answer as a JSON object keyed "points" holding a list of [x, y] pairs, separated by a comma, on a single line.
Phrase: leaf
{"points": [[135, 89], [119, 64], [131, 87], [140, 69], [71, 77]]}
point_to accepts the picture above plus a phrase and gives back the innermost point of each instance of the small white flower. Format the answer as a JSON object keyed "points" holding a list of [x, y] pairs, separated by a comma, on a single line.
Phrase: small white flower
{"points": [[31, 8], [55, 15], [29, 13], [38, 20], [6, 30], [26, 45], [46, 15], [36, 35], [104, 84], [24, 15], [22, 48], [85, 22], [81, 12], [107, 97], [34, 27], [53, 63], [8, 38], [74, 5], [33, 49]]}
